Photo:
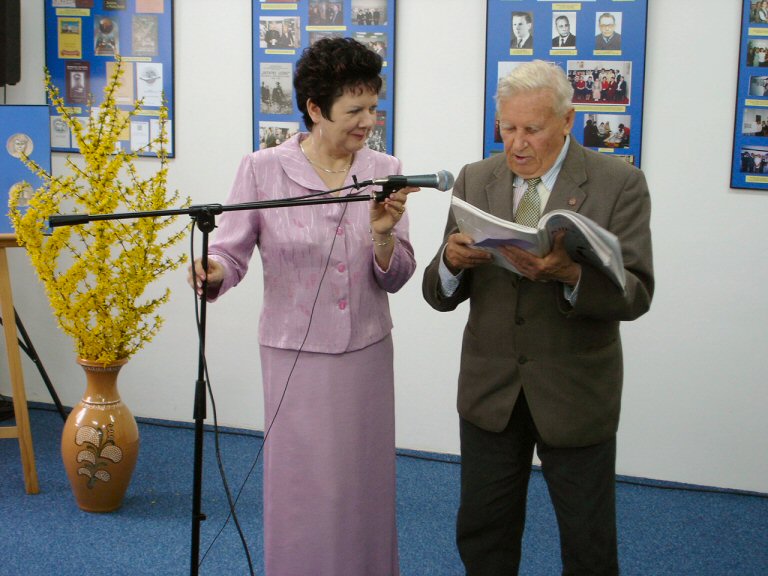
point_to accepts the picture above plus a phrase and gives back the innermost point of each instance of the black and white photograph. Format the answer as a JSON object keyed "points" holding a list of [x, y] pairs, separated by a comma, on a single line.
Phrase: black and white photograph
{"points": [[272, 134], [522, 31], [326, 13], [563, 30], [608, 32], [315, 35], [369, 12], [375, 41], [279, 32]]}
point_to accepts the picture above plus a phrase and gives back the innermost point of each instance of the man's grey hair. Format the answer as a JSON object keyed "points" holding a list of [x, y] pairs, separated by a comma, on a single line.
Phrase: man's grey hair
{"points": [[537, 75], [607, 15]]}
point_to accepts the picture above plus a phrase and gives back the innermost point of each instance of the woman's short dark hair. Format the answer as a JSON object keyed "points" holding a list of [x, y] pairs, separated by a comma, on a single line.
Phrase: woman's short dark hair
{"points": [[330, 67]]}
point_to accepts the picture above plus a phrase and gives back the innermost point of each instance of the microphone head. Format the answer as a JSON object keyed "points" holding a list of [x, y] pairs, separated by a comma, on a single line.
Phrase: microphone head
{"points": [[444, 180]]}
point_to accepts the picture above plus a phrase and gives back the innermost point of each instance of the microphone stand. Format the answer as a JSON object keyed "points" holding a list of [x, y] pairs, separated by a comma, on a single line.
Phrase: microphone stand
{"points": [[205, 218]]}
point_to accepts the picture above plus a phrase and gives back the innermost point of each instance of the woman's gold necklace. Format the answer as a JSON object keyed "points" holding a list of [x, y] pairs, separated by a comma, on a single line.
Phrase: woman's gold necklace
{"points": [[316, 165]]}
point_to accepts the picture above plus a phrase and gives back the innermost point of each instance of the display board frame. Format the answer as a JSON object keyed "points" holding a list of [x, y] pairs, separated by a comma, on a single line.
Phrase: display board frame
{"points": [[585, 53], [749, 160], [82, 38], [283, 29], [23, 128]]}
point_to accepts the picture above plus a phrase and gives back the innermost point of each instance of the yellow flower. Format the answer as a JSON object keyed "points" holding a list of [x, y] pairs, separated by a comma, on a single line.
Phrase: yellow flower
{"points": [[96, 274]]}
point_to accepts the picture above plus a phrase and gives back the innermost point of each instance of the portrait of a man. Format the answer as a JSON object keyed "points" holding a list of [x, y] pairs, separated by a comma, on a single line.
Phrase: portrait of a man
{"points": [[565, 37], [522, 30], [608, 37]]}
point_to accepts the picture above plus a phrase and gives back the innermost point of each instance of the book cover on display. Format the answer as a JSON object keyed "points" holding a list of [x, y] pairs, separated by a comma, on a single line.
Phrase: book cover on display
{"points": [[276, 89], [124, 94], [149, 83], [70, 38], [378, 138], [144, 35], [150, 6], [60, 134], [106, 37], [78, 82]]}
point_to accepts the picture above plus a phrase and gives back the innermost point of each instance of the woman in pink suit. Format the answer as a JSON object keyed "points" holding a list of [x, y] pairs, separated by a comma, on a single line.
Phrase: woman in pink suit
{"points": [[324, 333]]}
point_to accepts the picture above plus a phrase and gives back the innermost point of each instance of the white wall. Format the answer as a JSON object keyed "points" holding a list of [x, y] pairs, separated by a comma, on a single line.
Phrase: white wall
{"points": [[695, 399]]}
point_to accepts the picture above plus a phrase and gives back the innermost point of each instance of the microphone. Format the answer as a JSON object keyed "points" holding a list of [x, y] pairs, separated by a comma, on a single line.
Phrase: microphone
{"points": [[442, 181]]}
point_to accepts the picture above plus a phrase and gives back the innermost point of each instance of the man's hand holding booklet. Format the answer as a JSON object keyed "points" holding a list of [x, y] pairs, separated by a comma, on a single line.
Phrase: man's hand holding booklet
{"points": [[585, 241]]}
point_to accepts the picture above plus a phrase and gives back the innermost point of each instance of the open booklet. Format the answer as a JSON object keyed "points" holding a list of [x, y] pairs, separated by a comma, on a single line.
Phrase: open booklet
{"points": [[585, 240]]}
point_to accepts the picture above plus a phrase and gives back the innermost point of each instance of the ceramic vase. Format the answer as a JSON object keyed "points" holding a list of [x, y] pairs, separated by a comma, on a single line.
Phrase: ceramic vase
{"points": [[100, 441]]}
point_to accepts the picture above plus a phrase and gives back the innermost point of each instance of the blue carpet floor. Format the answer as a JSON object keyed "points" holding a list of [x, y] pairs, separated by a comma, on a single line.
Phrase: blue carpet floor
{"points": [[664, 529]]}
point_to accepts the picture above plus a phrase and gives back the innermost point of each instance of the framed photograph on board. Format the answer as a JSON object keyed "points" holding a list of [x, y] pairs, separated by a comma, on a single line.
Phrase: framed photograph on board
{"points": [[82, 39], [282, 29], [599, 44]]}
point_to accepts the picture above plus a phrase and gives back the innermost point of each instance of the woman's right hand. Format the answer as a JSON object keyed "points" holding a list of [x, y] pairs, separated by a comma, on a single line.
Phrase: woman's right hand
{"points": [[215, 275]]}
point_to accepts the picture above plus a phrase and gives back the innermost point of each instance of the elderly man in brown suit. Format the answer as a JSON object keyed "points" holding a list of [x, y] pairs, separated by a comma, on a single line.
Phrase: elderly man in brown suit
{"points": [[541, 361]]}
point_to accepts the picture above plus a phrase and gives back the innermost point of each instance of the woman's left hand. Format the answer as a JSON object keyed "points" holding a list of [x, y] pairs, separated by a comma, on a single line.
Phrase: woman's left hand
{"points": [[387, 213]]}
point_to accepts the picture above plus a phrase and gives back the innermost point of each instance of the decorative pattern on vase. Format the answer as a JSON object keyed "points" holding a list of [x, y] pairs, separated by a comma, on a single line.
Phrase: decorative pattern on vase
{"points": [[100, 441], [100, 449]]}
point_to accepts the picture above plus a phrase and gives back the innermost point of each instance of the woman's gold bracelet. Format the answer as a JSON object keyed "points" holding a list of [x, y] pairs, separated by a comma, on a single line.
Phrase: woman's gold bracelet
{"points": [[385, 242]]}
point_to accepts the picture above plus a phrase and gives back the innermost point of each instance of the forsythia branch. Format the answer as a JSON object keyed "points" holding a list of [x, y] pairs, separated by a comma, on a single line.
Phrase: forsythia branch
{"points": [[96, 274]]}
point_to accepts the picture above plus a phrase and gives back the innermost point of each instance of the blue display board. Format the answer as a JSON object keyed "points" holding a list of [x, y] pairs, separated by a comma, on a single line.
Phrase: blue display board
{"points": [[23, 129], [82, 38], [281, 31], [749, 163], [600, 44]]}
